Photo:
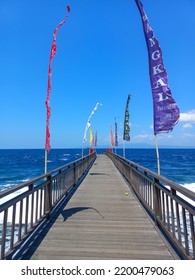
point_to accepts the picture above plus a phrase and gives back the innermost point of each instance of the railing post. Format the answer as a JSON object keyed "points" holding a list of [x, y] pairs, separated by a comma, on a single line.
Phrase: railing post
{"points": [[30, 187], [48, 196], [157, 201], [74, 174]]}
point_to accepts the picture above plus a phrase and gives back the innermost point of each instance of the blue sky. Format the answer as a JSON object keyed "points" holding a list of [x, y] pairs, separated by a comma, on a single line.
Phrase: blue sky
{"points": [[101, 57]]}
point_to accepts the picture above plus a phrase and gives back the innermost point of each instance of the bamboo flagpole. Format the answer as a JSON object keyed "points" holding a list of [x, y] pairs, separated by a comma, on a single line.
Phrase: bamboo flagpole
{"points": [[47, 102], [166, 111], [124, 148], [157, 153], [96, 138]]}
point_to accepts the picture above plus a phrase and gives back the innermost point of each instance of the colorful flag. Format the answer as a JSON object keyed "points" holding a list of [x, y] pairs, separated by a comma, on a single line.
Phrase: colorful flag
{"points": [[88, 121], [52, 54], [116, 135], [91, 137], [166, 111], [126, 135], [111, 137]]}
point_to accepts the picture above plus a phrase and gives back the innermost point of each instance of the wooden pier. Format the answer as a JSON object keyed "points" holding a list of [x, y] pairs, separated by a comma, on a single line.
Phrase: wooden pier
{"points": [[103, 220]]}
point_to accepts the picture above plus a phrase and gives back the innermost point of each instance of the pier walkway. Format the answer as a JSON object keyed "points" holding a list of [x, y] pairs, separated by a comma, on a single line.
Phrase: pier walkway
{"points": [[103, 220]]}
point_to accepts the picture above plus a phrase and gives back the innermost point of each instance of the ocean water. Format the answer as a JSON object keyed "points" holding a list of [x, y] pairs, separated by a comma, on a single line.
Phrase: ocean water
{"points": [[20, 165], [177, 165]]}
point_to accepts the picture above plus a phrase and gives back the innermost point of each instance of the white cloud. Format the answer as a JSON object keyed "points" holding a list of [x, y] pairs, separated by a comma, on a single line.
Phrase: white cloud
{"points": [[188, 116], [188, 135], [187, 125], [169, 136], [163, 136], [143, 136]]}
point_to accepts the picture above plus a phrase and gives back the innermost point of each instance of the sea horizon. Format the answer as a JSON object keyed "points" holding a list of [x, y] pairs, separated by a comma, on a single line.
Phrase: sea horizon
{"points": [[18, 165], [134, 146]]}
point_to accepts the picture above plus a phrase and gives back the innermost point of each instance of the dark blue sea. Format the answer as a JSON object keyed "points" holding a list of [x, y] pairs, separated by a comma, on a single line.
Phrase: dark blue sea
{"points": [[20, 165]]}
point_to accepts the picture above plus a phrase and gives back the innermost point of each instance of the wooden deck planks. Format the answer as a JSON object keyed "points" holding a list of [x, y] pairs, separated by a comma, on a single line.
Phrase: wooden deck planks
{"points": [[101, 222]]}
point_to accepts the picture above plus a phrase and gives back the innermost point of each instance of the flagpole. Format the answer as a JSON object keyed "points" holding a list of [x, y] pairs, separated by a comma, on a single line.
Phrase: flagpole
{"points": [[157, 153], [124, 148], [82, 149], [46, 156]]}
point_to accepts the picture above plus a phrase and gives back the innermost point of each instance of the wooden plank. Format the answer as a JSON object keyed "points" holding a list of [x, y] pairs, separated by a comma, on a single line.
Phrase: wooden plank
{"points": [[101, 222]]}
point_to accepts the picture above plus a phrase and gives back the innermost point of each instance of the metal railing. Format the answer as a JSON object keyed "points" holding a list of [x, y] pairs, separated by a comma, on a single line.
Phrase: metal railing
{"points": [[170, 205], [27, 205]]}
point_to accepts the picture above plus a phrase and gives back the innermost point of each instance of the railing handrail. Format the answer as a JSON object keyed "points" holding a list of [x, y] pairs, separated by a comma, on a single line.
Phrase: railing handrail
{"points": [[37, 202], [38, 178], [188, 193], [162, 199]]}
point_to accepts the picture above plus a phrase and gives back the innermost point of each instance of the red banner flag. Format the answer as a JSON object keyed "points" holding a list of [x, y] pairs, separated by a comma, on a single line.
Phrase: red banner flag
{"points": [[111, 136], [52, 54]]}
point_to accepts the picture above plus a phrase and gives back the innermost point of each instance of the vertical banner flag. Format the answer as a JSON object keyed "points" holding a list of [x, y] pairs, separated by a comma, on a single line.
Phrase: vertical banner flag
{"points": [[111, 137], [91, 137], [88, 121], [52, 54], [116, 135], [166, 111], [126, 135]]}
